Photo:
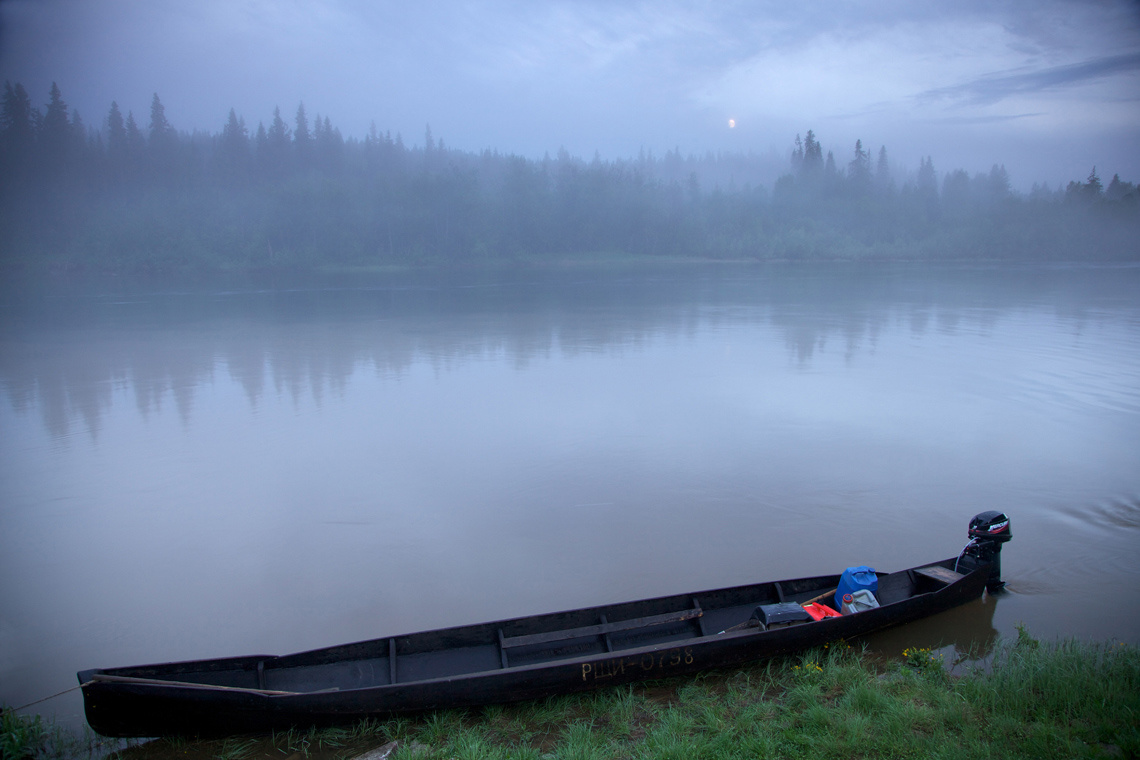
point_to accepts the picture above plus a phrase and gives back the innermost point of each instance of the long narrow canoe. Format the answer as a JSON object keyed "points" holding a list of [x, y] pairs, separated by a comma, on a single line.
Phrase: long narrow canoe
{"points": [[503, 661]]}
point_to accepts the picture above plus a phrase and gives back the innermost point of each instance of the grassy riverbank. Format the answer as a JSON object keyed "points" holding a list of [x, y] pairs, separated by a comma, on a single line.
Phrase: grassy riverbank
{"points": [[1036, 700]]}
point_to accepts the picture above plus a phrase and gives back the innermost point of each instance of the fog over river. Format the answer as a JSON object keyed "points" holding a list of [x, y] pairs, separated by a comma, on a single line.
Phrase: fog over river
{"points": [[223, 471]]}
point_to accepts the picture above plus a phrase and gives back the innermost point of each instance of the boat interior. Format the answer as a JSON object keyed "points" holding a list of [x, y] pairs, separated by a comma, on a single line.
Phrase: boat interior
{"points": [[515, 643]]}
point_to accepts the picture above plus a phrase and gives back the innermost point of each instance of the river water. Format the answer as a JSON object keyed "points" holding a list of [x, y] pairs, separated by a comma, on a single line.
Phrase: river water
{"points": [[217, 471]]}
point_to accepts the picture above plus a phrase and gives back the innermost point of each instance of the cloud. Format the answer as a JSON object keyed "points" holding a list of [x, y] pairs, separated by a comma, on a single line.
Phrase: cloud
{"points": [[993, 119], [999, 86], [612, 75]]}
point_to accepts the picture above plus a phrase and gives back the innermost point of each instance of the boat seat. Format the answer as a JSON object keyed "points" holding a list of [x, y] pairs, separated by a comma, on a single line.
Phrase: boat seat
{"points": [[938, 573], [601, 628]]}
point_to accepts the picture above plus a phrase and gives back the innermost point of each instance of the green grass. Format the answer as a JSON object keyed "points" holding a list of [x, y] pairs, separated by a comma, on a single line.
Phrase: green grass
{"points": [[24, 737], [1031, 700]]}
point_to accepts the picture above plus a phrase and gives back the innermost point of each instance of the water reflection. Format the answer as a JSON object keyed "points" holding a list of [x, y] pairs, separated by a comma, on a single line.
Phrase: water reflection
{"points": [[963, 633], [64, 358]]}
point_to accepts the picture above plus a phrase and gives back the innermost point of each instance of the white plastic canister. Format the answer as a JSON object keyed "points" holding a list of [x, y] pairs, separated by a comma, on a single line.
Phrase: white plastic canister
{"points": [[857, 601]]}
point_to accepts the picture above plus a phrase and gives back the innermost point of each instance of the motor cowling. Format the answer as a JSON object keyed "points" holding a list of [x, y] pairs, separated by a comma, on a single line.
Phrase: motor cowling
{"points": [[991, 526], [987, 532]]}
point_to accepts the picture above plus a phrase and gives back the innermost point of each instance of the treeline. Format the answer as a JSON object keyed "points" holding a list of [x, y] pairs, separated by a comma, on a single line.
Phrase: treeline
{"points": [[296, 194]]}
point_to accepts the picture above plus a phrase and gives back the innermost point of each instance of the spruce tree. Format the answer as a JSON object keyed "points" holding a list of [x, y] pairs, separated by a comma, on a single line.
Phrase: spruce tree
{"points": [[859, 169], [160, 128], [233, 147], [331, 145], [55, 131], [927, 180], [998, 182], [79, 155], [116, 132], [277, 145], [813, 154], [162, 139], [1118, 190], [883, 170], [16, 118], [302, 140], [956, 192], [928, 187], [261, 150], [136, 145], [17, 132], [116, 143], [1093, 187]]}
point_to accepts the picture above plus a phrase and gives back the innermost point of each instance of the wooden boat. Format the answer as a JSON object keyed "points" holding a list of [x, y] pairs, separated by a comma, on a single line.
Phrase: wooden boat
{"points": [[502, 661]]}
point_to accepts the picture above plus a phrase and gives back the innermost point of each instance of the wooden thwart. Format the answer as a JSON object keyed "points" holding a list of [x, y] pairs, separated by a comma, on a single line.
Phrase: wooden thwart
{"points": [[939, 574], [601, 629], [502, 650], [391, 661], [606, 636]]}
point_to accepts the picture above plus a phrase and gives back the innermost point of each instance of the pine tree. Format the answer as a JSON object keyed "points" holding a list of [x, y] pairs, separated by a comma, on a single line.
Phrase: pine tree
{"points": [[859, 169], [162, 142], [79, 155], [927, 180], [135, 140], [159, 127], [1093, 187], [234, 146], [136, 145], [55, 131], [116, 143], [813, 154], [302, 140], [277, 145], [116, 132], [330, 144], [1118, 190], [883, 170], [16, 118], [261, 150], [927, 189], [998, 183], [956, 192], [17, 133]]}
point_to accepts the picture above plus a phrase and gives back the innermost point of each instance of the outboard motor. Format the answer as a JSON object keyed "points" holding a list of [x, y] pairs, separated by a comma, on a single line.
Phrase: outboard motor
{"points": [[988, 531]]}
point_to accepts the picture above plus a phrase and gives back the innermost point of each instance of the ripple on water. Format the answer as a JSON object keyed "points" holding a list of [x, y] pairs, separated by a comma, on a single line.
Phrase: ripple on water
{"points": [[1097, 541], [1107, 516]]}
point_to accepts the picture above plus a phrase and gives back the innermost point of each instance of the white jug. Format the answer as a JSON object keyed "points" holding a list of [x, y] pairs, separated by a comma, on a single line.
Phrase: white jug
{"points": [[858, 601]]}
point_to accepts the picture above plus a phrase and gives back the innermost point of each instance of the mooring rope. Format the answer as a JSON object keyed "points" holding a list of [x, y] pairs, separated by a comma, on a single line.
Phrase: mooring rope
{"points": [[53, 696]]}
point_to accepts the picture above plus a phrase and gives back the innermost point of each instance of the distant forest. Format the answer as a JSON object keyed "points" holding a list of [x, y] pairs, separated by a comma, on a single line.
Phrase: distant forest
{"points": [[296, 195]]}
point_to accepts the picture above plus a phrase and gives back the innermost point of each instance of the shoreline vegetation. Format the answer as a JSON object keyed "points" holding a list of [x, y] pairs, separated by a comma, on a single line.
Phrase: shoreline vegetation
{"points": [[296, 196], [1031, 699]]}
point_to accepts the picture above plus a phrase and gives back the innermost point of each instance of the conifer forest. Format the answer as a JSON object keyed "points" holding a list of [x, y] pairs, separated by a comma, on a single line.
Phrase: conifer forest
{"points": [[129, 193]]}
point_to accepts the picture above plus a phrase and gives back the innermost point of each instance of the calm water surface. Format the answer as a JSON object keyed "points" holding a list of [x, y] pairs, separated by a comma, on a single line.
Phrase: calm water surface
{"points": [[219, 472]]}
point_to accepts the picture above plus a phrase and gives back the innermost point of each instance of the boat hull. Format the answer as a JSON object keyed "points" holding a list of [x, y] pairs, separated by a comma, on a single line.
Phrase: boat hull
{"points": [[155, 701]]}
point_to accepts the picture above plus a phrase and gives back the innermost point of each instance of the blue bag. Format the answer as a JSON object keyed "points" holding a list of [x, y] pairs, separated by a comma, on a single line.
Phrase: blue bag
{"points": [[854, 579]]}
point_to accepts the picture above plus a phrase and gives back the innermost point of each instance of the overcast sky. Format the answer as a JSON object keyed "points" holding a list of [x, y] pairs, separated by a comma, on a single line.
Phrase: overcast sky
{"points": [[1047, 87]]}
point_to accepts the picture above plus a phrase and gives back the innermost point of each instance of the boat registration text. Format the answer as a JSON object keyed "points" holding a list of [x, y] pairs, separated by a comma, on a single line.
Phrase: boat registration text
{"points": [[670, 658]]}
